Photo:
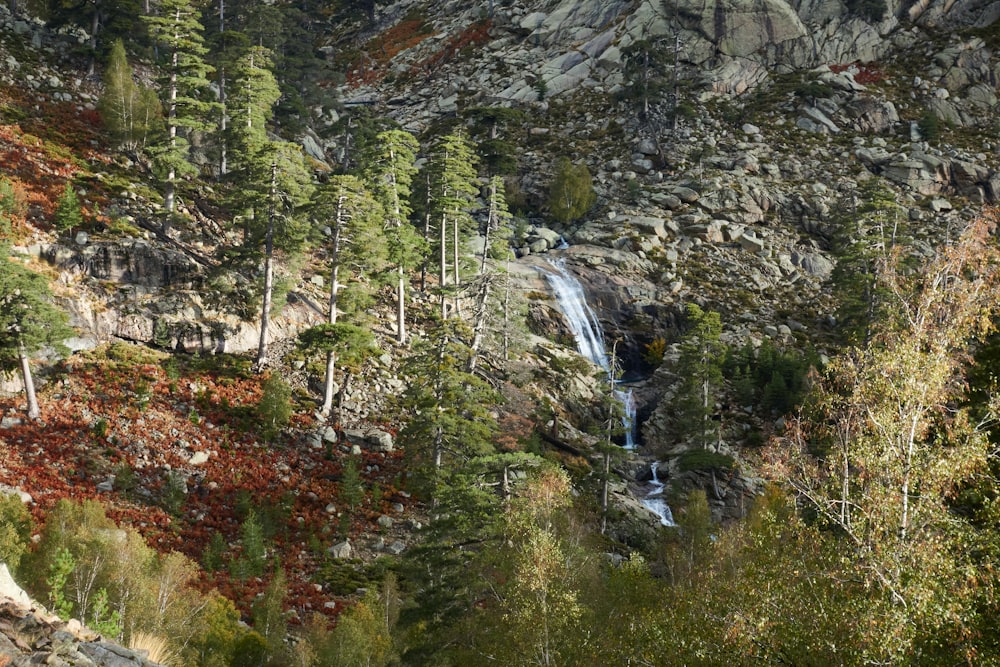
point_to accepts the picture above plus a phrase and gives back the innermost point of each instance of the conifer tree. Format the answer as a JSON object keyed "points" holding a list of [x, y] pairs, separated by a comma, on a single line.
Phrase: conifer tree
{"points": [[700, 364], [451, 172], [131, 112], [279, 187], [68, 214], [390, 176], [865, 237], [184, 87], [450, 407], [250, 103], [356, 251], [29, 322], [496, 234]]}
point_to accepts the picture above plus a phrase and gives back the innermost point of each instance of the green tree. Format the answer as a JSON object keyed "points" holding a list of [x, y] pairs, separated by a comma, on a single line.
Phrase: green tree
{"points": [[497, 152], [352, 223], [15, 530], [863, 240], [538, 618], [452, 188], [68, 213], [496, 245], [702, 354], [131, 112], [105, 22], [571, 193], [275, 407], [451, 421], [269, 617], [363, 636], [184, 86], [390, 178], [281, 189], [29, 322], [250, 104]]}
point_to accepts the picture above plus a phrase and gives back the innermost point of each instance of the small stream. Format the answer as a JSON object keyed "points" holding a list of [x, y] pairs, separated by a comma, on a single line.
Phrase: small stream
{"points": [[655, 501]]}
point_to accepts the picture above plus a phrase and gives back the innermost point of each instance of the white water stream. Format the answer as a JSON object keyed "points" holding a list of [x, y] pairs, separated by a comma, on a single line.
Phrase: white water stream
{"points": [[590, 343], [655, 501], [589, 335]]}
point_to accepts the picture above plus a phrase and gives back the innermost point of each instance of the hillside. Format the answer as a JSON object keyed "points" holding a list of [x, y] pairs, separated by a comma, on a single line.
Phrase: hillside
{"points": [[769, 189]]}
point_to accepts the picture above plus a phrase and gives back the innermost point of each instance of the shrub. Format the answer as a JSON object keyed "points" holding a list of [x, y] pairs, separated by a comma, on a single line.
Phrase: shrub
{"points": [[15, 530], [929, 126], [703, 459], [571, 193]]}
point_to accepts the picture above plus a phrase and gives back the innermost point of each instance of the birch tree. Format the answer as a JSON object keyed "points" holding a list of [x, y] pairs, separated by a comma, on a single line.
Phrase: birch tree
{"points": [[889, 443]]}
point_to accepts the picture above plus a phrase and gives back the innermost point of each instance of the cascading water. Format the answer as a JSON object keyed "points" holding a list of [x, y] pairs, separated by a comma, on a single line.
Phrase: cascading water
{"points": [[654, 499], [589, 335]]}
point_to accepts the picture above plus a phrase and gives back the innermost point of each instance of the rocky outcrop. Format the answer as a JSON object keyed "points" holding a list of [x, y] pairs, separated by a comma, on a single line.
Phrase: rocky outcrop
{"points": [[147, 293], [31, 636]]}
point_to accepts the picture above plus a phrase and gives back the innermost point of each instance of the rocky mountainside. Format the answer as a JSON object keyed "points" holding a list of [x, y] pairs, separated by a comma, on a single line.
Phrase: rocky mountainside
{"points": [[728, 142], [726, 183]]}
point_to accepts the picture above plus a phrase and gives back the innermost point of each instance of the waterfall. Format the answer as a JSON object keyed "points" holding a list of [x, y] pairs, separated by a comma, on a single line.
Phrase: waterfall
{"points": [[654, 499], [589, 335]]}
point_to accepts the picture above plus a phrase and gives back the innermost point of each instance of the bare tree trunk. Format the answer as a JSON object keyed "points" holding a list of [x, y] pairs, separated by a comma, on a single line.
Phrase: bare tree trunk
{"points": [[444, 266], [506, 312], [455, 273], [29, 384], [331, 355], [479, 329], [265, 310], [223, 166], [401, 307]]}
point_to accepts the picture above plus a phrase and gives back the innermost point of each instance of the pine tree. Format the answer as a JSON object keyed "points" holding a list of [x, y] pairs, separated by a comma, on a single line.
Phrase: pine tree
{"points": [[275, 193], [390, 176], [498, 155], [496, 234], [865, 238], [700, 364], [184, 86], [29, 322], [68, 214], [451, 172], [356, 251], [105, 21], [130, 112], [450, 408]]}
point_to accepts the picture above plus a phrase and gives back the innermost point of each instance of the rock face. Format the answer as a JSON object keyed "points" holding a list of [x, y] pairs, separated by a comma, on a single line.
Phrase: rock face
{"points": [[138, 291], [30, 636]]}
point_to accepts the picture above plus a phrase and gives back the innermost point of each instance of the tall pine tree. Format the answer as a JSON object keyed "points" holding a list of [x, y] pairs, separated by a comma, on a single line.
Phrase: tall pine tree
{"points": [[356, 251], [184, 87], [29, 322], [390, 175], [452, 188]]}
